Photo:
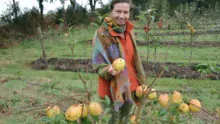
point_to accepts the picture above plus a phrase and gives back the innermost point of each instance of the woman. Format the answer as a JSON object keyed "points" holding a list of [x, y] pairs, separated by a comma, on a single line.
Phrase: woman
{"points": [[115, 39]]}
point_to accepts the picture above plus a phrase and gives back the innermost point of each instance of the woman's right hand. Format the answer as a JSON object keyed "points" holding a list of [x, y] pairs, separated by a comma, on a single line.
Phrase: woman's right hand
{"points": [[114, 72]]}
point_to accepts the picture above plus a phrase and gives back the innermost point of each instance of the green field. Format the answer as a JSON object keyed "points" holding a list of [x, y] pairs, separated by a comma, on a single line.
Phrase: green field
{"points": [[182, 54]]}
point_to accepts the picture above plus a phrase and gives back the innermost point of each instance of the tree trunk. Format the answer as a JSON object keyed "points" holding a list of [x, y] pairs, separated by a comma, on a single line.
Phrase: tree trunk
{"points": [[73, 3], [64, 15], [41, 6], [92, 4], [15, 11], [191, 47], [42, 46], [72, 49]]}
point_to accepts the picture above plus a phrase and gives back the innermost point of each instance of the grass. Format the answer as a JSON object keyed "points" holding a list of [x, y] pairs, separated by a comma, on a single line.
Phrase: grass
{"points": [[182, 54], [199, 89], [184, 38], [26, 88], [35, 95]]}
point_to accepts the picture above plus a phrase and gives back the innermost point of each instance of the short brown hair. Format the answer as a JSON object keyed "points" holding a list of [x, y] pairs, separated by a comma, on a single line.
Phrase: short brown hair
{"points": [[120, 1]]}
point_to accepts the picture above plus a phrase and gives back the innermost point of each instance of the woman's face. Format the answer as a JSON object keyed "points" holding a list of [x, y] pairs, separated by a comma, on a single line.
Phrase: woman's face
{"points": [[120, 13]]}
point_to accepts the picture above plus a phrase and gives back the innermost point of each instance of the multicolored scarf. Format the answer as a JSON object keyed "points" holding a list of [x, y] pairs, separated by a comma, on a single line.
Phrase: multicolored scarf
{"points": [[110, 22]]}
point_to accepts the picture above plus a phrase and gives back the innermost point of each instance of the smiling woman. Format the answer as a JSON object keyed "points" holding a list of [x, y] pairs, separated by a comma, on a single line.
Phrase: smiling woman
{"points": [[113, 40]]}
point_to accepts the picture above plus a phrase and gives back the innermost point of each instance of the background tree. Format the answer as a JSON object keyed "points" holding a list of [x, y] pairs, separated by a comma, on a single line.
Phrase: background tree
{"points": [[15, 9], [41, 6], [73, 3], [141, 4], [64, 11], [92, 4]]}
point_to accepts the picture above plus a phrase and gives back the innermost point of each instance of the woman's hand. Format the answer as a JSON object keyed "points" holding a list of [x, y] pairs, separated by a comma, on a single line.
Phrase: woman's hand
{"points": [[112, 71]]}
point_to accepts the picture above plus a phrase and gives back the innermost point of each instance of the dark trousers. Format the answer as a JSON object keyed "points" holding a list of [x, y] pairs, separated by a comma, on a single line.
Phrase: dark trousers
{"points": [[122, 116]]}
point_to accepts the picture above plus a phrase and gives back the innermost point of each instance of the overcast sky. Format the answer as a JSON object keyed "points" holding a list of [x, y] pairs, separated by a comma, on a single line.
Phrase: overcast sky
{"points": [[47, 6]]}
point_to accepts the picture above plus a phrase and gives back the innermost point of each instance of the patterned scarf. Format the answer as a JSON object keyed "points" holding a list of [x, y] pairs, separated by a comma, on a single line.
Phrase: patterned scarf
{"points": [[108, 22]]}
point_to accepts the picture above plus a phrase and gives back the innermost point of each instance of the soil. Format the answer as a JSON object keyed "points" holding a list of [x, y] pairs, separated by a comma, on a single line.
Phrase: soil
{"points": [[183, 44], [211, 118], [175, 70], [182, 33], [166, 28]]}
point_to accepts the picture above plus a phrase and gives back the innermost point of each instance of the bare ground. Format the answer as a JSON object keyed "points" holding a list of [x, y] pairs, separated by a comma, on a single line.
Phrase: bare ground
{"points": [[175, 70]]}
